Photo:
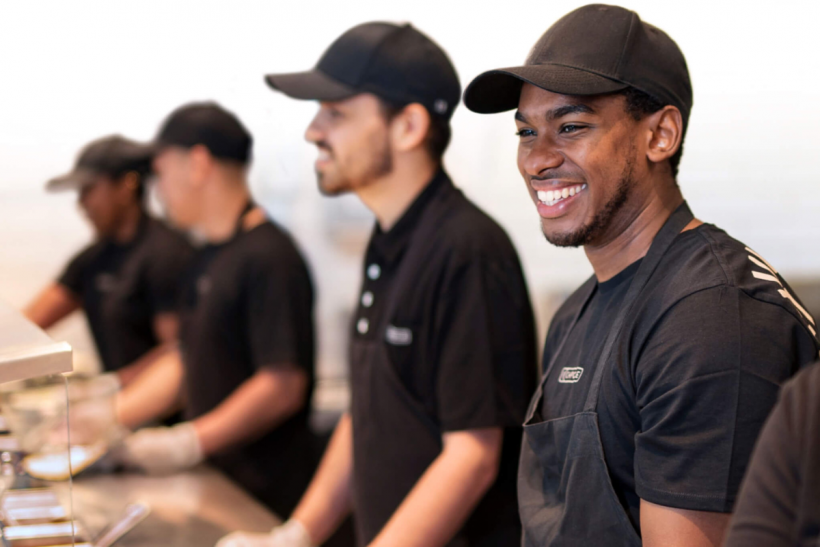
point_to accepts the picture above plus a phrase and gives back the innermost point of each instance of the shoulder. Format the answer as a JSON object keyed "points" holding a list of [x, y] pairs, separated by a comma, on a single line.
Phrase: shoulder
{"points": [[466, 232], [268, 247], [87, 256], [801, 395], [707, 261], [163, 243]]}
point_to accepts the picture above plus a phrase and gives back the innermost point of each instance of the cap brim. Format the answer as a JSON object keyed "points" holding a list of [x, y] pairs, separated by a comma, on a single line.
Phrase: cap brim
{"points": [[72, 181], [499, 90], [312, 86]]}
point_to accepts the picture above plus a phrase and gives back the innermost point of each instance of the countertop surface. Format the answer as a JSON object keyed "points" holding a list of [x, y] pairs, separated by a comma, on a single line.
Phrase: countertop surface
{"points": [[189, 509]]}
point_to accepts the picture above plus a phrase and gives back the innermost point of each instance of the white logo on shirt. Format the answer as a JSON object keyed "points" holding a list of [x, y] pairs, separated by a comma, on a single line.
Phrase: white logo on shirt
{"points": [[398, 336], [570, 375], [772, 276], [203, 285], [105, 282]]}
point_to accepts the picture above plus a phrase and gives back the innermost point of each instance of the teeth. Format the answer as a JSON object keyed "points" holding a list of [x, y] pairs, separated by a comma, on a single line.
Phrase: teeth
{"points": [[551, 197], [323, 154]]}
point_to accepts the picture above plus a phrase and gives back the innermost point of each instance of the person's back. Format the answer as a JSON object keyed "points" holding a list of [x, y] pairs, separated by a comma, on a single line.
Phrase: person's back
{"points": [[779, 503]]}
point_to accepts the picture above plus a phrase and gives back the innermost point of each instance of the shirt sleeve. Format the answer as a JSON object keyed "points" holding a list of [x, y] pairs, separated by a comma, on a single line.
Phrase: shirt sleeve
{"points": [[486, 347], [165, 275], [705, 382], [74, 275], [767, 508], [279, 313]]}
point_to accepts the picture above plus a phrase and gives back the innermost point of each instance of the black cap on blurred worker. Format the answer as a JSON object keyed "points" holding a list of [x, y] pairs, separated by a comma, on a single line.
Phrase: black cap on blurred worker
{"points": [[397, 63], [111, 156], [593, 50], [209, 125]]}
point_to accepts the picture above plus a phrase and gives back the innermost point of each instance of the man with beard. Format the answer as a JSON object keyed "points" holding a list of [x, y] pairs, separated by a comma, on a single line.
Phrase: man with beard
{"points": [[660, 370], [442, 348]]}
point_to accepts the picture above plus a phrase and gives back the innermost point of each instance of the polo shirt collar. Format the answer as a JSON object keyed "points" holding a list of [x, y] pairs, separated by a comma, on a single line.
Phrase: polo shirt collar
{"points": [[390, 246]]}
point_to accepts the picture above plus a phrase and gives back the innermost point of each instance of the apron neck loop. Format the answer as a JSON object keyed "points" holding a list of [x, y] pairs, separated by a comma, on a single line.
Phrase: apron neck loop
{"points": [[662, 242]]}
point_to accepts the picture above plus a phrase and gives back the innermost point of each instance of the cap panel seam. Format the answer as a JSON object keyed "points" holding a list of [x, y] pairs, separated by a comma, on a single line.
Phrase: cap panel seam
{"points": [[626, 42], [378, 48]]}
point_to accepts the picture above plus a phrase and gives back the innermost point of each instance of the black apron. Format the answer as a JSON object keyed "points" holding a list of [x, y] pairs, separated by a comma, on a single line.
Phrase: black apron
{"points": [[565, 495], [383, 472]]}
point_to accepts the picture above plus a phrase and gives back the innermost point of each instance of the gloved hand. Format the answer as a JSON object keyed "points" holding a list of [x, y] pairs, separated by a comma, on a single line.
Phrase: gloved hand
{"points": [[162, 450], [289, 534]]}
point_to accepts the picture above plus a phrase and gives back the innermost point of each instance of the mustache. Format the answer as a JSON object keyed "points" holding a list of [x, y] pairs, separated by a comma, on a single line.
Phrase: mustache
{"points": [[323, 145], [556, 174]]}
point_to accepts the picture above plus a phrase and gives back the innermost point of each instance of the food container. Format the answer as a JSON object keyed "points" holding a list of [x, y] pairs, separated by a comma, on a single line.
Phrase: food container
{"points": [[45, 414]]}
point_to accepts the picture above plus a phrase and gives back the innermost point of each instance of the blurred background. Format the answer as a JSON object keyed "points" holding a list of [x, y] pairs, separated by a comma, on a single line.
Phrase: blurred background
{"points": [[75, 71]]}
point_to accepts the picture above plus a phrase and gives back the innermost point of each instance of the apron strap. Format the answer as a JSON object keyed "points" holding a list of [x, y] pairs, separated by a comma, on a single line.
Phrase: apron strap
{"points": [[677, 222]]}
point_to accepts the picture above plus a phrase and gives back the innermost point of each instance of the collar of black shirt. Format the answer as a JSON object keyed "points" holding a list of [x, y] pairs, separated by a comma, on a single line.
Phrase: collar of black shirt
{"points": [[389, 246], [142, 228]]}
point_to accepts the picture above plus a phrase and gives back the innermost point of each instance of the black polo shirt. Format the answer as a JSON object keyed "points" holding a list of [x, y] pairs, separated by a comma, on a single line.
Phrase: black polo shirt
{"points": [[122, 287], [247, 304], [779, 503], [461, 340], [693, 375]]}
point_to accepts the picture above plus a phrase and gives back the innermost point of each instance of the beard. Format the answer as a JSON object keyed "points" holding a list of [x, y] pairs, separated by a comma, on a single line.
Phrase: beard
{"points": [[372, 162], [601, 222]]}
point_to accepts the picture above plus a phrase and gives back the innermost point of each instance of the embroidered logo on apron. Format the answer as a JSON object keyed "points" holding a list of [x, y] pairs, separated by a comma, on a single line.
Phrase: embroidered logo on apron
{"points": [[398, 336], [570, 375]]}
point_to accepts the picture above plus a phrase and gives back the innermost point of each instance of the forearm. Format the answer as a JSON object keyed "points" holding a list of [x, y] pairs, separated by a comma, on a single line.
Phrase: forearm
{"points": [[327, 500], [52, 304], [670, 527], [261, 403], [129, 373], [440, 502], [155, 393]]}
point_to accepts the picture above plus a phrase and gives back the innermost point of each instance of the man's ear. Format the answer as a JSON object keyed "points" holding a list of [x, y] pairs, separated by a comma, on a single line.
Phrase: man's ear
{"points": [[201, 163], [408, 129], [665, 134]]}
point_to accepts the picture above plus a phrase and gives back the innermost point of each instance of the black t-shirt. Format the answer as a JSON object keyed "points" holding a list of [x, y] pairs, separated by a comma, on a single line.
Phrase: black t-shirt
{"points": [[693, 375], [248, 304], [461, 339], [122, 288], [779, 503]]}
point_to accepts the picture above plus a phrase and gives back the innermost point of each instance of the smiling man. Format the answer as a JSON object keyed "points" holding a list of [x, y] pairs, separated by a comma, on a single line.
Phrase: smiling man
{"points": [[660, 370], [442, 347]]}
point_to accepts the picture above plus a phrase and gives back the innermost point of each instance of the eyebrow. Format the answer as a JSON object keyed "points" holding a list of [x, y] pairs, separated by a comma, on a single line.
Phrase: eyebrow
{"points": [[560, 112]]}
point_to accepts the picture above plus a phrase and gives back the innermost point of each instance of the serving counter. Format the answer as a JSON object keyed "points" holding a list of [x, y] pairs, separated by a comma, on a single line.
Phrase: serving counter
{"points": [[191, 509]]}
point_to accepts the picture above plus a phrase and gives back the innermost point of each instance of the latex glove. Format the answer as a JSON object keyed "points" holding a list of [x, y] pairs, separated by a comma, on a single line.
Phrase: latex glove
{"points": [[163, 450], [289, 534]]}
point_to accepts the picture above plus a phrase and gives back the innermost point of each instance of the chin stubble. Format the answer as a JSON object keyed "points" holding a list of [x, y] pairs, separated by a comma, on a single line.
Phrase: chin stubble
{"points": [[602, 220]]}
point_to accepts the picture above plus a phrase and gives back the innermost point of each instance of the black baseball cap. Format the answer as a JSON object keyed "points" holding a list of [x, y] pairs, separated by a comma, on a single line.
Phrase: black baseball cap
{"points": [[209, 125], [111, 156], [394, 62], [593, 50]]}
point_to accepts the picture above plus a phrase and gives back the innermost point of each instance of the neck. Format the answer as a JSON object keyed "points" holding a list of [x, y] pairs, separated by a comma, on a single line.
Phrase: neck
{"points": [[129, 224], [222, 204], [390, 196], [634, 234]]}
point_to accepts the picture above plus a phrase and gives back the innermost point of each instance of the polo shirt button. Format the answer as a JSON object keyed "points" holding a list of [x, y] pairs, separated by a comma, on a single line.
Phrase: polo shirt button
{"points": [[363, 326], [374, 271], [367, 299]]}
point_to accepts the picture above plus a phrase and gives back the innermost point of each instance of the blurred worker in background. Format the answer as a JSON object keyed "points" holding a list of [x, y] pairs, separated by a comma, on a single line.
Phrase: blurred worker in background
{"points": [[127, 280], [245, 368]]}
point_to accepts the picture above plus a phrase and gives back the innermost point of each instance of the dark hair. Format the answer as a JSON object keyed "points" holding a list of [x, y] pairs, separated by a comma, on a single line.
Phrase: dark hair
{"points": [[640, 105], [438, 134]]}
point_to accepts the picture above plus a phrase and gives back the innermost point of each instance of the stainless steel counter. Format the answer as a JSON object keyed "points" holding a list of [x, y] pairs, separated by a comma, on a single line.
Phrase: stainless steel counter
{"points": [[192, 509]]}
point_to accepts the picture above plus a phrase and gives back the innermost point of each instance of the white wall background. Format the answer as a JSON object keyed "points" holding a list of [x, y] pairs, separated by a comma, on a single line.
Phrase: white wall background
{"points": [[71, 71]]}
